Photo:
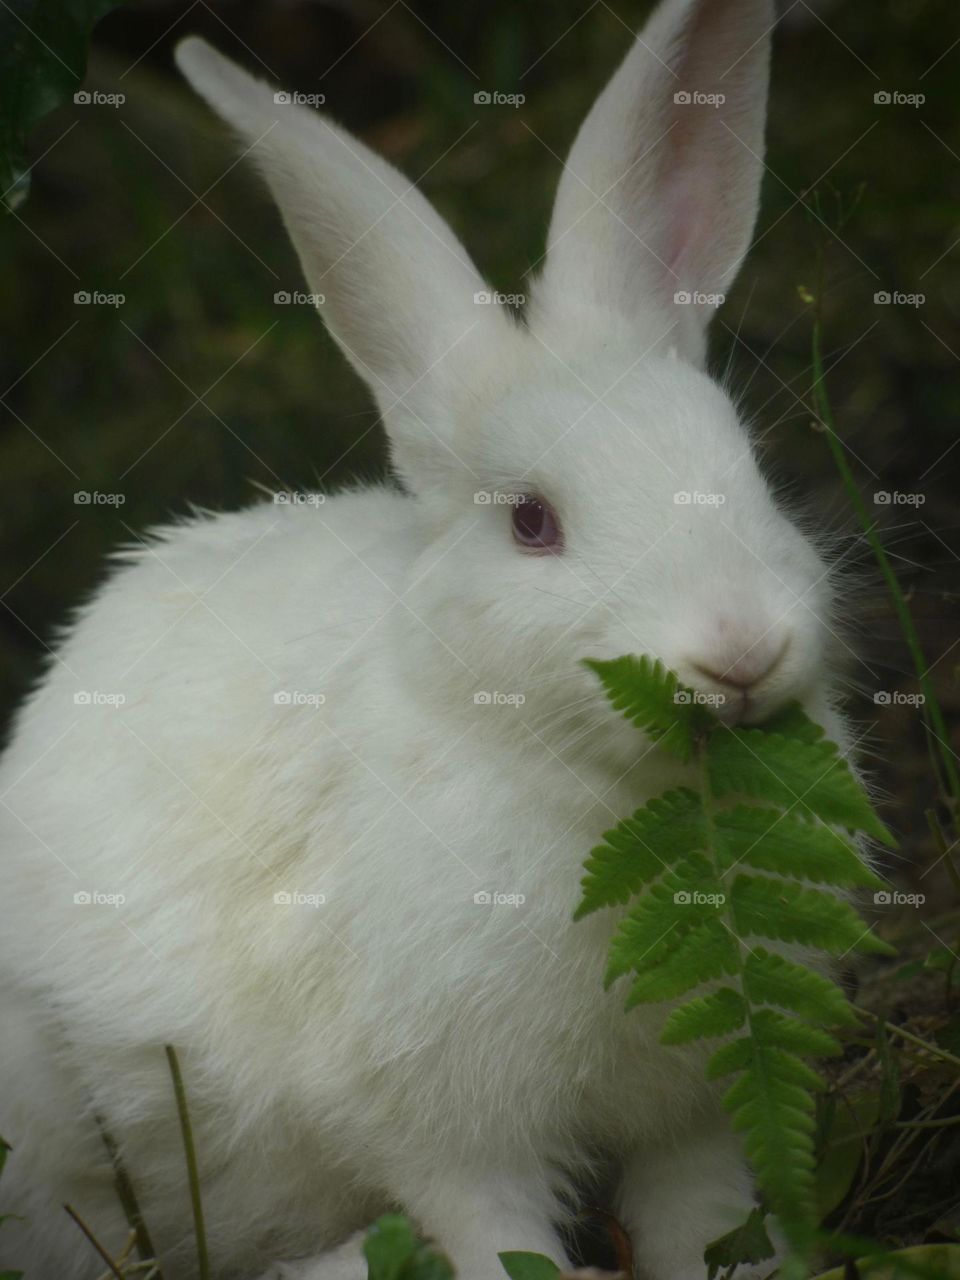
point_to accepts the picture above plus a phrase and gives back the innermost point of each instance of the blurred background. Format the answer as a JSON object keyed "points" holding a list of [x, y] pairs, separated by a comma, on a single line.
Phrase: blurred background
{"points": [[199, 386]]}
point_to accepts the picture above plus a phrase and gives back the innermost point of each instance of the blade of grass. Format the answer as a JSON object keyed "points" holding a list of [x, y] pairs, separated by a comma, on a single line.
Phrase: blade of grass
{"points": [[932, 714], [203, 1261]]}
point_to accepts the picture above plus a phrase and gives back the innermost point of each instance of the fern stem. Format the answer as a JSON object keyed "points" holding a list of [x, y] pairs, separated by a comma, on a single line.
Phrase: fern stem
{"points": [[193, 1177]]}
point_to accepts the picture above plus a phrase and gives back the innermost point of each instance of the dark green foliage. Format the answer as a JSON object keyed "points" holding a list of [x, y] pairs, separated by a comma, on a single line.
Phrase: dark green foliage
{"points": [[43, 54]]}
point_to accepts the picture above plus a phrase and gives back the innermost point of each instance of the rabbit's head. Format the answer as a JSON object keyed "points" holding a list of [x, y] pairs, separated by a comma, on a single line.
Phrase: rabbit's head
{"points": [[581, 486]]}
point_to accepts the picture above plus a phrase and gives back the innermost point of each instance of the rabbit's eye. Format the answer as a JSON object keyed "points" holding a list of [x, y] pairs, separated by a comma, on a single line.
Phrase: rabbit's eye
{"points": [[535, 524]]}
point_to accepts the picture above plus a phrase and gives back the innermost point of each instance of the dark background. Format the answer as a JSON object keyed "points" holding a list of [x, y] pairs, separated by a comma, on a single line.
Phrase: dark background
{"points": [[199, 385]]}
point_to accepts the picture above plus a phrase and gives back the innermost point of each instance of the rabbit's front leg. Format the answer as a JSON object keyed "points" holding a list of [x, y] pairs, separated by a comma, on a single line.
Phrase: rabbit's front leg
{"points": [[475, 1216], [675, 1199]]}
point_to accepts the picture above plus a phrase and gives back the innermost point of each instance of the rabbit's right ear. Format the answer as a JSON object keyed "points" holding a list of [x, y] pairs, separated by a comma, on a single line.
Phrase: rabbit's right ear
{"points": [[400, 293], [660, 191]]}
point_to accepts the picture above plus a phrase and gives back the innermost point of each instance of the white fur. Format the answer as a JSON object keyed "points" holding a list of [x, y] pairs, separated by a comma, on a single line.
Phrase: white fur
{"points": [[401, 1045]]}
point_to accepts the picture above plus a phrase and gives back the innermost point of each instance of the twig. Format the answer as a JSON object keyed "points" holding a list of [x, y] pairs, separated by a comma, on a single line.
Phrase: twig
{"points": [[908, 1035], [94, 1241], [127, 1196]]}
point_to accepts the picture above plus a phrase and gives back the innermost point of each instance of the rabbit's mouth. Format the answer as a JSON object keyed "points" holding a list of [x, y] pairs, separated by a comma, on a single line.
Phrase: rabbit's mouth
{"points": [[744, 683]]}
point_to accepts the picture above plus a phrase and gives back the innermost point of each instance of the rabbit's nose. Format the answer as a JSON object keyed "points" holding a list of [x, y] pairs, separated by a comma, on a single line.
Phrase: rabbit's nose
{"points": [[737, 673]]}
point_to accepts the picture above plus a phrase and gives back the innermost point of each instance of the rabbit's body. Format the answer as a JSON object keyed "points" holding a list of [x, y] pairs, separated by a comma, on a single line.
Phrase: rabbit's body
{"points": [[326, 771], [331, 1049]]}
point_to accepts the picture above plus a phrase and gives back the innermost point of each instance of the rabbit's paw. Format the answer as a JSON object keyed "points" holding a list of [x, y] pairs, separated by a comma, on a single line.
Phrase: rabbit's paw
{"points": [[343, 1263]]}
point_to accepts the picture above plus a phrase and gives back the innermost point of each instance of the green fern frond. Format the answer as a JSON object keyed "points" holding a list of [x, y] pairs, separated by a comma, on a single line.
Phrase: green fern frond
{"points": [[772, 979], [638, 849], [809, 776], [768, 907], [653, 698], [709, 874], [718, 1014], [771, 840]]}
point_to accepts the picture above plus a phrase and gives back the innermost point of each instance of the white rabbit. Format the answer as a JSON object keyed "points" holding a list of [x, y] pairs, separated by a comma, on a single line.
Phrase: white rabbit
{"points": [[322, 775]]}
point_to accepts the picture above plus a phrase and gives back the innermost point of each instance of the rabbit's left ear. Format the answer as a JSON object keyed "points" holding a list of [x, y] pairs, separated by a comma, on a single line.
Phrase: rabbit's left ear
{"points": [[658, 200], [399, 292]]}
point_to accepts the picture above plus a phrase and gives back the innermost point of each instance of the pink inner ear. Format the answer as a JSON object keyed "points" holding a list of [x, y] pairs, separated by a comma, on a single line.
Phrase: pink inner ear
{"points": [[692, 201]]}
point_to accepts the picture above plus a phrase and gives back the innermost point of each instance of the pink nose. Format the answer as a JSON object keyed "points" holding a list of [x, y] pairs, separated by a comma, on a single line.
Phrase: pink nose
{"points": [[742, 669], [733, 670]]}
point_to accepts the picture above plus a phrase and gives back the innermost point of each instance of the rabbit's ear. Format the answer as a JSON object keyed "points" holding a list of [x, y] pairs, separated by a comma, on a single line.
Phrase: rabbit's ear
{"points": [[399, 291], [660, 192]]}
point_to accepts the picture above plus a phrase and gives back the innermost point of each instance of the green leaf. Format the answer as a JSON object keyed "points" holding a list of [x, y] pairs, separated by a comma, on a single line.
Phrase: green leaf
{"points": [[771, 840], [772, 979], [748, 1243], [844, 1143], [792, 721], [638, 849], [766, 907], [706, 952], [772, 1107], [528, 1266], [707, 1016], [810, 776], [654, 700], [43, 57], [389, 1245], [683, 898]]}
